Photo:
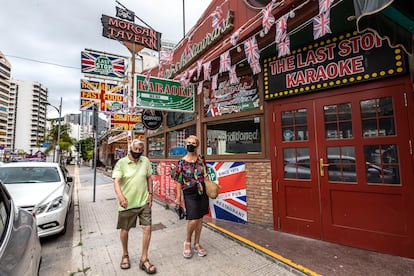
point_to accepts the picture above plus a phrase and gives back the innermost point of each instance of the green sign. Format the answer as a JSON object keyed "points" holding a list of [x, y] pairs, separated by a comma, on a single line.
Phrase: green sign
{"points": [[163, 94]]}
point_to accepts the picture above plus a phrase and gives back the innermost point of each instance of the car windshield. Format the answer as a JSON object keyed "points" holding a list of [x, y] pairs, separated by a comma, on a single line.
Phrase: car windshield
{"points": [[14, 175]]}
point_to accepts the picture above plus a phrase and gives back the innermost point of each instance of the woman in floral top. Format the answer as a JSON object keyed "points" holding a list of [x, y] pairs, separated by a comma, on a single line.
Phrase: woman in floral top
{"points": [[189, 174]]}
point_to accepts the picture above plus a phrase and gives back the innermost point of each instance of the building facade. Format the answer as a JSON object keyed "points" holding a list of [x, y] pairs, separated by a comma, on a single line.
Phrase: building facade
{"points": [[306, 134], [30, 110], [5, 68]]}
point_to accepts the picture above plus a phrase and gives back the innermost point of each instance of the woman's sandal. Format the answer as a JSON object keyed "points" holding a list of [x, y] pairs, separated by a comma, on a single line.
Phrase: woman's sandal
{"points": [[199, 250], [187, 252], [150, 269], [125, 264]]}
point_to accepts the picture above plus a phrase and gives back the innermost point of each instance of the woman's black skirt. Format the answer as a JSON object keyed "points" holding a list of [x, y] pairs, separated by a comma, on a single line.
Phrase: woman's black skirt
{"points": [[196, 205]]}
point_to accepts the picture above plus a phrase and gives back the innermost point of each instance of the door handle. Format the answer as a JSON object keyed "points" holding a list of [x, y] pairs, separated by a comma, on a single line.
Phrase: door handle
{"points": [[322, 166]]}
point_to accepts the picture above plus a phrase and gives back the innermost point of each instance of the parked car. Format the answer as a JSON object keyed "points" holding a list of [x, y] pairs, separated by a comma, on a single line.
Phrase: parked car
{"points": [[43, 188], [341, 168], [20, 249]]}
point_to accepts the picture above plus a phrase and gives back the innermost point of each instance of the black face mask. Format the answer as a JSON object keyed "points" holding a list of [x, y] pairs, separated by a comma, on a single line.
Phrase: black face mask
{"points": [[135, 155], [191, 148]]}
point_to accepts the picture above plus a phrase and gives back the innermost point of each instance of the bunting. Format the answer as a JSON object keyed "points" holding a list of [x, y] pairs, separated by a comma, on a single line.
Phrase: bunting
{"points": [[283, 47], [188, 51], [200, 88], [217, 18], [184, 80], [225, 62], [147, 78], [281, 28], [268, 19], [252, 54], [324, 5], [166, 57], [214, 82], [207, 70], [321, 25], [199, 67], [233, 76], [235, 36]]}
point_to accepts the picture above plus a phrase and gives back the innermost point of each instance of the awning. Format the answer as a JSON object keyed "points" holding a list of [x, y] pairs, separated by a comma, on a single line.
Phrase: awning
{"points": [[390, 19]]}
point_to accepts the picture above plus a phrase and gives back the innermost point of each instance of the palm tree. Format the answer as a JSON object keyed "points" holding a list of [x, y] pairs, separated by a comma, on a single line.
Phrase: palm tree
{"points": [[65, 142]]}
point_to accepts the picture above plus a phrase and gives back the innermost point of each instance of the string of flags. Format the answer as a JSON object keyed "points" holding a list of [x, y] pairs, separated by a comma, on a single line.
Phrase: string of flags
{"points": [[321, 27]]}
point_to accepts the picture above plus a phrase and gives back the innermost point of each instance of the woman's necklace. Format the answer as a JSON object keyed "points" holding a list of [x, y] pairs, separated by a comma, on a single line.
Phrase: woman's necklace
{"points": [[192, 159]]}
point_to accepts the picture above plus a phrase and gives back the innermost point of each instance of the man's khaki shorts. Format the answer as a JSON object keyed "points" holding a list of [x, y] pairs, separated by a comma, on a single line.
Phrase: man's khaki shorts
{"points": [[128, 218]]}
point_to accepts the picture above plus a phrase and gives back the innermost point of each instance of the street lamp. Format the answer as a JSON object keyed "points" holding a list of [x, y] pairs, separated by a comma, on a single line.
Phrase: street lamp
{"points": [[59, 110]]}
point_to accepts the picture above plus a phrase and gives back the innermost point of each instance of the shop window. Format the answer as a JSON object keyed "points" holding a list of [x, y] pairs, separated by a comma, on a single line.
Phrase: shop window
{"points": [[242, 136], [338, 121], [295, 125], [378, 117], [382, 164], [175, 140], [231, 98], [342, 164], [177, 118], [156, 146], [296, 163]]}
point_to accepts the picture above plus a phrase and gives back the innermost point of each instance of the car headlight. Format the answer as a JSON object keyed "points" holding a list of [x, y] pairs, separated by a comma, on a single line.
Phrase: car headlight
{"points": [[49, 206]]}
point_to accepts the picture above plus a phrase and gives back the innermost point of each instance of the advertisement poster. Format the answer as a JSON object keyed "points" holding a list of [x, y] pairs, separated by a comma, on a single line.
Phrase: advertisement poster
{"points": [[231, 176]]}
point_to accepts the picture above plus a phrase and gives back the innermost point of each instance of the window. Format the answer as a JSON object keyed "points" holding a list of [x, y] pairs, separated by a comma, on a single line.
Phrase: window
{"points": [[175, 140], [156, 146], [295, 125], [242, 136], [378, 117]]}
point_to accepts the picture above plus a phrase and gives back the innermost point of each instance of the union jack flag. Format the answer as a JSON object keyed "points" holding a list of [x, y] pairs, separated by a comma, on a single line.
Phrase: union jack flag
{"points": [[225, 62], [207, 70], [321, 25], [235, 36], [324, 5], [268, 18], [252, 54], [167, 57], [218, 18], [200, 88], [147, 78], [199, 66], [283, 47], [233, 76], [160, 70], [88, 61], [184, 80], [188, 51], [281, 29]]}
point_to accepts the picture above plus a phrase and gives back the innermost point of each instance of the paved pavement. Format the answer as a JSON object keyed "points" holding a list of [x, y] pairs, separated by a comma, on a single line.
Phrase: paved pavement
{"points": [[233, 248], [97, 248]]}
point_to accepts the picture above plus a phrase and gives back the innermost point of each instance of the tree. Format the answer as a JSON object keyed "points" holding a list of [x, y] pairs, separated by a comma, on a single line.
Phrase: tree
{"points": [[65, 142], [86, 148]]}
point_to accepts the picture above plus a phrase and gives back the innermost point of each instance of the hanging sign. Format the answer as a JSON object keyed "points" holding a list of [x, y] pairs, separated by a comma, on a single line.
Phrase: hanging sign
{"points": [[125, 121], [152, 119], [108, 96], [348, 60], [102, 65], [163, 94]]}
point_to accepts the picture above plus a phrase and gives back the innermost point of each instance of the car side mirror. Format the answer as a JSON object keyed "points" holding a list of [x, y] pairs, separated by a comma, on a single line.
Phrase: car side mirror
{"points": [[69, 179]]}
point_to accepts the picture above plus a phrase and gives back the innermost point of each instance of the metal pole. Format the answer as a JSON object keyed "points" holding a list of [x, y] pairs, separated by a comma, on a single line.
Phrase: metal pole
{"points": [[95, 150], [58, 139], [183, 18]]}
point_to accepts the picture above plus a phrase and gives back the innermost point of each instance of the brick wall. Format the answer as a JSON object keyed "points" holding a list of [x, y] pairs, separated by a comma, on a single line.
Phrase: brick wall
{"points": [[259, 193]]}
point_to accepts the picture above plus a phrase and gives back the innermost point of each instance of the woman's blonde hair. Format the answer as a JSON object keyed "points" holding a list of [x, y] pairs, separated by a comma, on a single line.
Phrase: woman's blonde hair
{"points": [[193, 137]]}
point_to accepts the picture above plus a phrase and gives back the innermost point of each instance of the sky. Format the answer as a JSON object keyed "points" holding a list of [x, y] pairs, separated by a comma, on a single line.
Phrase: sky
{"points": [[43, 39]]}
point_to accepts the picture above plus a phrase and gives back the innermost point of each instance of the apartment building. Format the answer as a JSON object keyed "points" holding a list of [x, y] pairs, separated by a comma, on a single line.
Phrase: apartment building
{"points": [[5, 68]]}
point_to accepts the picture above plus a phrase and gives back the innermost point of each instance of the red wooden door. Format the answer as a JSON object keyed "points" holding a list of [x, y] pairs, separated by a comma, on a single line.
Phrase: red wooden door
{"points": [[344, 168]]}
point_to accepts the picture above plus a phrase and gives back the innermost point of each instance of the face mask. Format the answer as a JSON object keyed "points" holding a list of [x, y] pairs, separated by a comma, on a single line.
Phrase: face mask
{"points": [[135, 155], [191, 148]]}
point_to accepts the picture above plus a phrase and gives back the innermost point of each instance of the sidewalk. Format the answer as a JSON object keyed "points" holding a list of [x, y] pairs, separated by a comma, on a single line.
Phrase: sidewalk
{"points": [[233, 248], [99, 248]]}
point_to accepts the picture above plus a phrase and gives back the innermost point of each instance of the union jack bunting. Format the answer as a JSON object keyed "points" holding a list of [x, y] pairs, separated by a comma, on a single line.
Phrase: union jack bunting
{"points": [[199, 66], [200, 88], [207, 70], [324, 5], [214, 82], [225, 62], [281, 29], [283, 47], [160, 70], [167, 57], [88, 60], [184, 80], [188, 51], [235, 36], [321, 25], [251, 50], [217, 18], [147, 78], [233, 76], [268, 19]]}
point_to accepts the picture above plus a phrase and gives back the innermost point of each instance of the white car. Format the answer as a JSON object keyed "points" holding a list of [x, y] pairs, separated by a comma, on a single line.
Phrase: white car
{"points": [[42, 188]]}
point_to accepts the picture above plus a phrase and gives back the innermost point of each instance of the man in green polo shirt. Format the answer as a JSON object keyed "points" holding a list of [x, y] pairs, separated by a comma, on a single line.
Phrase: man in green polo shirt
{"points": [[133, 187]]}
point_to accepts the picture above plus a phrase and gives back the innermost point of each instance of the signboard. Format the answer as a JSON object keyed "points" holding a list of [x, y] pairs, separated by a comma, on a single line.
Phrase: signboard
{"points": [[125, 14], [351, 59], [125, 31], [102, 65], [125, 121], [163, 94], [152, 119], [108, 96], [229, 98]]}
